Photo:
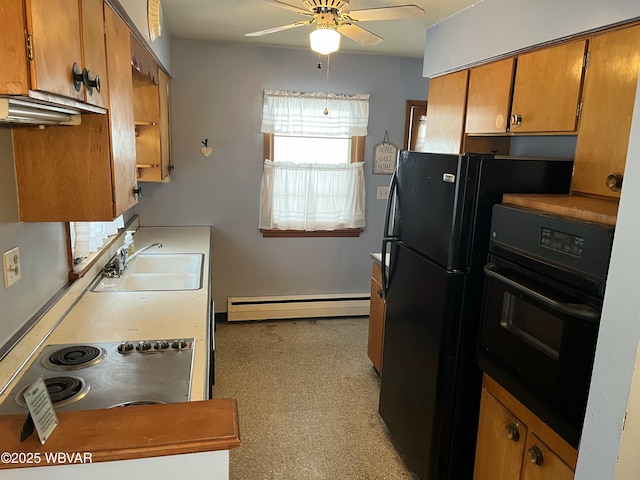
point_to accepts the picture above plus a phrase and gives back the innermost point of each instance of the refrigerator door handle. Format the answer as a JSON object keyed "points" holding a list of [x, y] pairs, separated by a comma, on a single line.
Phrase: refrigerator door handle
{"points": [[390, 200], [388, 236]]}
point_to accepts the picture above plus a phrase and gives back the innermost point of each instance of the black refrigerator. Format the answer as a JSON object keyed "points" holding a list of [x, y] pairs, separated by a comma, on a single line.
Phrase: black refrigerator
{"points": [[437, 237]]}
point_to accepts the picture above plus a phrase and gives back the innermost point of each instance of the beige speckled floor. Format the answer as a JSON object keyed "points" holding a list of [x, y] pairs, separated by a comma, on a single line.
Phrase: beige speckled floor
{"points": [[308, 401]]}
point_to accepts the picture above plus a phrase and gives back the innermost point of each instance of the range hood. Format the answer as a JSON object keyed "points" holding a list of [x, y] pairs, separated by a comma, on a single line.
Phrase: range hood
{"points": [[26, 110]]}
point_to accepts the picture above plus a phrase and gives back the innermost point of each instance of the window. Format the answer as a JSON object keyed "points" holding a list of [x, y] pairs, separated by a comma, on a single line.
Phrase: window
{"points": [[313, 178]]}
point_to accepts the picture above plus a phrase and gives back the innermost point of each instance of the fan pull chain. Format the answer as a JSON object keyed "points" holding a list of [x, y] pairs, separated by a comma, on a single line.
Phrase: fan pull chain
{"points": [[326, 95]]}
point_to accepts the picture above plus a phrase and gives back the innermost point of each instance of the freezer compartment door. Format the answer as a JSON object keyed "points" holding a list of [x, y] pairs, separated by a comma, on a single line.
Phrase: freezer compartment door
{"points": [[419, 360], [430, 205]]}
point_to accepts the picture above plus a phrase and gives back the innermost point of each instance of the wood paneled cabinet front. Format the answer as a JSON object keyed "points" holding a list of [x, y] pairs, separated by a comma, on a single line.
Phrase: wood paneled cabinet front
{"points": [[546, 91], [539, 92], [608, 98], [377, 310], [63, 53], [514, 444], [489, 97], [446, 114], [84, 172]]}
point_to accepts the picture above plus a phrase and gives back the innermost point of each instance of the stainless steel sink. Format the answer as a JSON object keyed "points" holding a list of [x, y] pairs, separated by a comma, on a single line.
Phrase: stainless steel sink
{"points": [[157, 272]]}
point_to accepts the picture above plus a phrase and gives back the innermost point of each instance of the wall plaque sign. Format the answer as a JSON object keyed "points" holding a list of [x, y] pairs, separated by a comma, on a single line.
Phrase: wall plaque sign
{"points": [[385, 157]]}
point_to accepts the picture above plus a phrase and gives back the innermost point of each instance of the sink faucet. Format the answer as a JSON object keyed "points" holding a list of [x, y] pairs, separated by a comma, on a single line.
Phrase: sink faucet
{"points": [[117, 265], [138, 252]]}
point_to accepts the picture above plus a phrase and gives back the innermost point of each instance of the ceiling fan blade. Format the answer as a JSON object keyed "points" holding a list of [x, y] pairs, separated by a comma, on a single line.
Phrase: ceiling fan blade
{"points": [[359, 34], [293, 8], [279, 29], [385, 13]]}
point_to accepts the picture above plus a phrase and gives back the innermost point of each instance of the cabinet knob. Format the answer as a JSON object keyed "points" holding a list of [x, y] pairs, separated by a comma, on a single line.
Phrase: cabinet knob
{"points": [[516, 120], [380, 293], [512, 432], [535, 455], [78, 77], [614, 182], [90, 83]]}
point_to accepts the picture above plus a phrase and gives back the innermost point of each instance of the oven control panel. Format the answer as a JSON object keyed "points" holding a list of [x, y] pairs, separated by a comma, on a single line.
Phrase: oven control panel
{"points": [[155, 346], [561, 241]]}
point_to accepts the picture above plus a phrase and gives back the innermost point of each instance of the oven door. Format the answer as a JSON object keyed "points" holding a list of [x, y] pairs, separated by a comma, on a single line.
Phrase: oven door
{"points": [[538, 337]]}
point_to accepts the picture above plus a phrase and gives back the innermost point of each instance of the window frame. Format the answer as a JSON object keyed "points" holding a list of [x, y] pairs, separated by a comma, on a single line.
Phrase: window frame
{"points": [[356, 155]]}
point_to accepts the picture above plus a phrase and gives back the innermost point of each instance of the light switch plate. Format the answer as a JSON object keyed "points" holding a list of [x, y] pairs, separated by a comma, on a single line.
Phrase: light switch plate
{"points": [[382, 193], [11, 266]]}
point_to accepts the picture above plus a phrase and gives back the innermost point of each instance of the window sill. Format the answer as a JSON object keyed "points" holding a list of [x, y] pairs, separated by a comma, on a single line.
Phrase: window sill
{"points": [[79, 270], [348, 232]]}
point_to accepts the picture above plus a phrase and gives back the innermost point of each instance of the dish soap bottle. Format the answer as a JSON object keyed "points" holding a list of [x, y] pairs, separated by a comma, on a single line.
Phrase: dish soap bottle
{"points": [[128, 241]]}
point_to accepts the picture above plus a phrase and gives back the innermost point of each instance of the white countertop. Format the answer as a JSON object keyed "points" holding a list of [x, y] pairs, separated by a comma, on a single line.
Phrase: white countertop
{"points": [[117, 316], [377, 257]]}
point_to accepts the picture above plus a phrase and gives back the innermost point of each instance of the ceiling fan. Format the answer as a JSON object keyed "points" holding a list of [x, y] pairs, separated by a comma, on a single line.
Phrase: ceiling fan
{"points": [[332, 19]]}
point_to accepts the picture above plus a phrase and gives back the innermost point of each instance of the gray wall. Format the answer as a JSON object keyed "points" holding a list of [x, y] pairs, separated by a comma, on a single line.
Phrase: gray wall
{"points": [[42, 250], [217, 94], [482, 32], [492, 28]]}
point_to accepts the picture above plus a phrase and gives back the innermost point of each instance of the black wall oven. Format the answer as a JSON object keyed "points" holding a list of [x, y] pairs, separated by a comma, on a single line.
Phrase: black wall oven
{"points": [[544, 285]]}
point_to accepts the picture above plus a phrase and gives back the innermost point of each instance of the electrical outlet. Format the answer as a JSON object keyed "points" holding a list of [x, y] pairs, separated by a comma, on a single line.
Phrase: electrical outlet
{"points": [[11, 266], [382, 193]]}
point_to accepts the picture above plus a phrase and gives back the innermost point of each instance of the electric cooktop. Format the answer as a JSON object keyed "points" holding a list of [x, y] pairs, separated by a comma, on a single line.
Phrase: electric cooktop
{"points": [[87, 376]]}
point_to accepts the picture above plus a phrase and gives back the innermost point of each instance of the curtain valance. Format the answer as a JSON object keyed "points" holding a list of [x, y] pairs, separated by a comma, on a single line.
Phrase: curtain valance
{"points": [[298, 113]]}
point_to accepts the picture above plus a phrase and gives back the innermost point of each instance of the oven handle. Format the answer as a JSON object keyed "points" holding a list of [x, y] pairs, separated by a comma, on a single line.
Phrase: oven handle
{"points": [[582, 312]]}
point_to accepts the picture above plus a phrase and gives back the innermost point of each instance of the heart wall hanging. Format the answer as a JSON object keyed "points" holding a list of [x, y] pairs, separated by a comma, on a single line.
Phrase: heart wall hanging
{"points": [[206, 149]]}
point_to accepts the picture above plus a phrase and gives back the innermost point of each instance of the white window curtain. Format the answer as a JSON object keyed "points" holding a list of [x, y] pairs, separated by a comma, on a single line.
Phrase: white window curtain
{"points": [[313, 196], [89, 237], [297, 113]]}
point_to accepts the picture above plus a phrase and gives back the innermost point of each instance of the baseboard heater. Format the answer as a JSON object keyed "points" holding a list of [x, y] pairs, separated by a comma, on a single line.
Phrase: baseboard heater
{"points": [[297, 306]]}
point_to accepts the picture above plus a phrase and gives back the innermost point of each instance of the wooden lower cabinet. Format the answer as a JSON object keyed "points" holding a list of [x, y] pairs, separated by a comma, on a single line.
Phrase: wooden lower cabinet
{"points": [[376, 318], [514, 444]]}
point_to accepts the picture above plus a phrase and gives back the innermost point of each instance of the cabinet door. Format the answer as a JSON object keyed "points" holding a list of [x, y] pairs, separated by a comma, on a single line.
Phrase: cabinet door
{"points": [[64, 173], [541, 463], [607, 105], [547, 89], [489, 97], [121, 120], [55, 29], [445, 116], [376, 319], [94, 51], [501, 441], [165, 124]]}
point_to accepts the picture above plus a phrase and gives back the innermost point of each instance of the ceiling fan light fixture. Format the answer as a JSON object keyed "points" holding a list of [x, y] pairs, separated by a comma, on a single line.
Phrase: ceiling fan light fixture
{"points": [[324, 40]]}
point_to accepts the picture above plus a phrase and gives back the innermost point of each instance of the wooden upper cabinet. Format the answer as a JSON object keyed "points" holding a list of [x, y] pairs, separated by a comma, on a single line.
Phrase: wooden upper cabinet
{"points": [[151, 112], [54, 29], [95, 57], [47, 47], [143, 62], [547, 89], [85, 172], [608, 98], [121, 117], [489, 97], [446, 113]]}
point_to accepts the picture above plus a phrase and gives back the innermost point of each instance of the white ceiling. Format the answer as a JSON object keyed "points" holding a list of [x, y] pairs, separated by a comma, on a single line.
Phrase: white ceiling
{"points": [[229, 20]]}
